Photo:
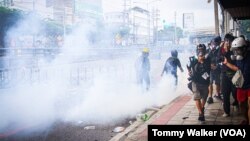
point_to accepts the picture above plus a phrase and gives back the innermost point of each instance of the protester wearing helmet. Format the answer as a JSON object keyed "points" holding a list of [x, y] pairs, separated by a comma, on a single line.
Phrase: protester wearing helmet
{"points": [[171, 65], [242, 57], [215, 69], [142, 68], [239, 48], [174, 53], [200, 75]]}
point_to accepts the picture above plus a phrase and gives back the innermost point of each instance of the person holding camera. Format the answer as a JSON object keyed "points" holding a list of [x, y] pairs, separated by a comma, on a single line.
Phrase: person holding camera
{"points": [[200, 75], [227, 74]]}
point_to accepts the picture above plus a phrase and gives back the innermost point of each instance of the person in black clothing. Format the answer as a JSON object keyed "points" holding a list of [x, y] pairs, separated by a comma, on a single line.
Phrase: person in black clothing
{"points": [[200, 75], [215, 69], [241, 55], [171, 65], [227, 74]]}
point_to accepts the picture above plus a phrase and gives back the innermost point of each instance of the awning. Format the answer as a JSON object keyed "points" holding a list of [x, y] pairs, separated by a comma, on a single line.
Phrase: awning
{"points": [[238, 9]]}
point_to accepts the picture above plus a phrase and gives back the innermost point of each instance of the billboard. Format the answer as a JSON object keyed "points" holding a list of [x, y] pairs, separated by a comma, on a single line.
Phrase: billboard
{"points": [[188, 20]]}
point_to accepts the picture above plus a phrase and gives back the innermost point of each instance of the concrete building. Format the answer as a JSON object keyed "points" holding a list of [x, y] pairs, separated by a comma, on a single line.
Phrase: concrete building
{"points": [[137, 20], [66, 12]]}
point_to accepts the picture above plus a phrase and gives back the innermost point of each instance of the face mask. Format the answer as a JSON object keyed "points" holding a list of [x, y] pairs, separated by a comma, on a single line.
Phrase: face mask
{"points": [[238, 54], [236, 57], [200, 53], [239, 57], [233, 57], [212, 47]]}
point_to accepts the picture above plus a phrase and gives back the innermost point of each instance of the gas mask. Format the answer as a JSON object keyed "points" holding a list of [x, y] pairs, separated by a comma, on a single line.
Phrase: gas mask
{"points": [[145, 55], [200, 52], [212, 46], [238, 54], [236, 57]]}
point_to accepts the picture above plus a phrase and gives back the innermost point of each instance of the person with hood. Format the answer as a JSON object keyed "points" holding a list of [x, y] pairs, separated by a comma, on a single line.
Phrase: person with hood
{"points": [[142, 66], [171, 65]]}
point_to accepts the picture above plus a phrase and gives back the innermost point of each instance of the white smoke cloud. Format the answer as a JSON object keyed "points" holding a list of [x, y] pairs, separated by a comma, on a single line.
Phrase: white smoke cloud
{"points": [[107, 92]]}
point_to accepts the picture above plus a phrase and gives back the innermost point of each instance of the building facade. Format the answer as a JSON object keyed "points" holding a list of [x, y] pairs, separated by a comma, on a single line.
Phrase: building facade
{"points": [[66, 12]]}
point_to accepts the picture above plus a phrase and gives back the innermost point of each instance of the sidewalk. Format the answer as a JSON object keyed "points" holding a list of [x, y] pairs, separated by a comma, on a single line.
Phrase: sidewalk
{"points": [[181, 111]]}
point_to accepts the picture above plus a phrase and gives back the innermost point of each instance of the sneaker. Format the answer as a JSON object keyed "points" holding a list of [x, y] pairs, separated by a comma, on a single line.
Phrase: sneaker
{"points": [[235, 103], [226, 115], [201, 117], [210, 100], [218, 97]]}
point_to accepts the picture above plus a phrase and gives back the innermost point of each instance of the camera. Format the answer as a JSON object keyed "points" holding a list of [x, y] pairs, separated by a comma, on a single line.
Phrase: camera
{"points": [[190, 67], [221, 59], [190, 78]]}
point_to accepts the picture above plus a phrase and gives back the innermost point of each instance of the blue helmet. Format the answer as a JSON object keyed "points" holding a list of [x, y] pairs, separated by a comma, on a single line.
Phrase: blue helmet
{"points": [[174, 53]]}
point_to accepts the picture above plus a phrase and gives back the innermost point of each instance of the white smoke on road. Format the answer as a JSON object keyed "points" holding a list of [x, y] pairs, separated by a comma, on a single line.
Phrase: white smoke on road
{"points": [[107, 91]]}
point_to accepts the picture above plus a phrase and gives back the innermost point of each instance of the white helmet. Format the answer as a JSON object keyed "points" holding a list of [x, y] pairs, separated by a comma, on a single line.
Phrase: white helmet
{"points": [[238, 43]]}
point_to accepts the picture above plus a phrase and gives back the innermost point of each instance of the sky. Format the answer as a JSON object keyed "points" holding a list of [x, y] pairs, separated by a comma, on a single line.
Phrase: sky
{"points": [[203, 11]]}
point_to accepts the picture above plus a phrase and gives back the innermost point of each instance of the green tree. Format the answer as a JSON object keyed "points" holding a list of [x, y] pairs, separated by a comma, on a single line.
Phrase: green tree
{"points": [[9, 18], [168, 33], [245, 28]]}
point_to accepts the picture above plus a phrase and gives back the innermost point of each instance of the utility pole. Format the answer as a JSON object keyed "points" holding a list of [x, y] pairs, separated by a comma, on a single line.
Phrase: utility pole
{"points": [[175, 37], [157, 14], [64, 20], [148, 23], [125, 14], [33, 11], [216, 18], [155, 17], [33, 5], [124, 10]]}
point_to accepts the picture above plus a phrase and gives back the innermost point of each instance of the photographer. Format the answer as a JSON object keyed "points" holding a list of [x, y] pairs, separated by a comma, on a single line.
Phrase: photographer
{"points": [[200, 80], [226, 75]]}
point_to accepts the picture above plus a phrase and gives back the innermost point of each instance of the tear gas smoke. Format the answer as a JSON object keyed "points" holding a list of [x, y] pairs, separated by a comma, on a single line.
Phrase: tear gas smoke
{"points": [[106, 90]]}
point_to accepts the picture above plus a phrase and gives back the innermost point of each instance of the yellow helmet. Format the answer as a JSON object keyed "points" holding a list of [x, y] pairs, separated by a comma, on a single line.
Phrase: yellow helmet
{"points": [[145, 50]]}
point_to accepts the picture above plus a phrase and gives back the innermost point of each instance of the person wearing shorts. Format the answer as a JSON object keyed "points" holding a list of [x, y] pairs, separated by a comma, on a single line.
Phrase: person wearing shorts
{"points": [[200, 80]]}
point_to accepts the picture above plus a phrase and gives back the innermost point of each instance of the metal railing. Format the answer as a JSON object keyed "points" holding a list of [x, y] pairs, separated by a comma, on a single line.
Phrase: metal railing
{"points": [[23, 66]]}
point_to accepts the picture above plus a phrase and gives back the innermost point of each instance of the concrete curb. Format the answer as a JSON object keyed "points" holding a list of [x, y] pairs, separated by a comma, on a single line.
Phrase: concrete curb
{"points": [[121, 136], [132, 132]]}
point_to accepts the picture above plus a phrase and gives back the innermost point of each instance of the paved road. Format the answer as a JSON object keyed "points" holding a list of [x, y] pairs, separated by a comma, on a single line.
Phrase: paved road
{"points": [[68, 132]]}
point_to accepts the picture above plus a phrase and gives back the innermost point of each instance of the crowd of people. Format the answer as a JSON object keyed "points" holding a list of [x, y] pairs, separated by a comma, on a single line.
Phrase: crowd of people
{"points": [[214, 65]]}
